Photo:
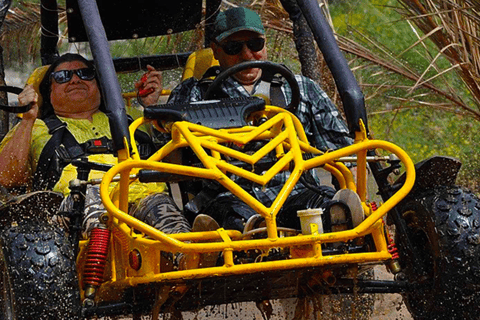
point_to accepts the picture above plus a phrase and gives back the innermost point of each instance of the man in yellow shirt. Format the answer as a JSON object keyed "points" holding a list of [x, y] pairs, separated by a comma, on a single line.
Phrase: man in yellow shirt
{"points": [[71, 97]]}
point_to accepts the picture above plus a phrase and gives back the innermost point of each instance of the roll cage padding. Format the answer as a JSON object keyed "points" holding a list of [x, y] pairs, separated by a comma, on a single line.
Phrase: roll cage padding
{"points": [[139, 19], [108, 81]]}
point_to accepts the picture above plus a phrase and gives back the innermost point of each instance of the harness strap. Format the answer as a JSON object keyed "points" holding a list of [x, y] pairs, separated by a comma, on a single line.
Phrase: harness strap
{"points": [[62, 145], [276, 94]]}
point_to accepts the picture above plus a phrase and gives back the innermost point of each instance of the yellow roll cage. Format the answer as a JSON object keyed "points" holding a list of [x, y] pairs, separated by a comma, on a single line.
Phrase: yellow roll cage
{"points": [[285, 136]]}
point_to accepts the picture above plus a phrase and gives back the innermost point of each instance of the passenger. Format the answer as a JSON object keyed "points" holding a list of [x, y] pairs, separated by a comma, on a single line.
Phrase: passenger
{"points": [[240, 36], [30, 152]]}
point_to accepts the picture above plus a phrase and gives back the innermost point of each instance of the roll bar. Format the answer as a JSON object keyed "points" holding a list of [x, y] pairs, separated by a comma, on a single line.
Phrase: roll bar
{"points": [[110, 87]]}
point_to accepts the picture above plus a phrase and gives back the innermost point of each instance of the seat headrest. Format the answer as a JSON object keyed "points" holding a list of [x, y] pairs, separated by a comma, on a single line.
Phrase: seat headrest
{"points": [[199, 62], [36, 78]]}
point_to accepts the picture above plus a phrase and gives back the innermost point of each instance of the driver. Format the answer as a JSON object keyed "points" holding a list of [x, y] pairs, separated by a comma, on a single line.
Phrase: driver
{"points": [[240, 36]]}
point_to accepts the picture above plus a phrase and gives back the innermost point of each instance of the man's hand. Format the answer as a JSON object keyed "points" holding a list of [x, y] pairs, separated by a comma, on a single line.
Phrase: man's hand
{"points": [[150, 86], [26, 97], [14, 157]]}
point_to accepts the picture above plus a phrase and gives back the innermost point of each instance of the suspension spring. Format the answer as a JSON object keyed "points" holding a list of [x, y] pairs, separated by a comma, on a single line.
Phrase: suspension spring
{"points": [[96, 257], [392, 247], [393, 264]]}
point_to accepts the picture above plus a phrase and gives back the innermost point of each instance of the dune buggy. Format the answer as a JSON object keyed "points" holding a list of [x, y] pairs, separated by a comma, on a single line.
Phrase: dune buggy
{"points": [[48, 273]]}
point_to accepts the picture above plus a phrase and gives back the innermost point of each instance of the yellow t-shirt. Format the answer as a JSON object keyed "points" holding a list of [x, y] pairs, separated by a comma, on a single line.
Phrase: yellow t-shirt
{"points": [[83, 130]]}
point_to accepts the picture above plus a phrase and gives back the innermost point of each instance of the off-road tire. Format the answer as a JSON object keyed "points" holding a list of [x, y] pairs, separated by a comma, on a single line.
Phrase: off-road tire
{"points": [[444, 227], [37, 274]]}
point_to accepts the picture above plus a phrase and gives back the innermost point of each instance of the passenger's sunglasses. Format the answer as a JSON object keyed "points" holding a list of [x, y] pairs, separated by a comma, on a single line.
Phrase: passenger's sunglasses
{"points": [[63, 76], [235, 47]]}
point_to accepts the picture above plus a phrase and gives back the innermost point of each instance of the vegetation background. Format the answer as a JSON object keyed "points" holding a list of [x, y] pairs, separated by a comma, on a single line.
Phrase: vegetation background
{"points": [[417, 62]]}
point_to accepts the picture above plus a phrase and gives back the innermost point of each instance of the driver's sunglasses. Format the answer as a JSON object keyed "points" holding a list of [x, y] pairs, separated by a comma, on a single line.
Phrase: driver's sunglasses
{"points": [[63, 76], [235, 47]]}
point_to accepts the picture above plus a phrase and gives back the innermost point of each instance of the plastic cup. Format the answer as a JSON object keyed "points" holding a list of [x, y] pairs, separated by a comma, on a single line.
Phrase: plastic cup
{"points": [[308, 217]]}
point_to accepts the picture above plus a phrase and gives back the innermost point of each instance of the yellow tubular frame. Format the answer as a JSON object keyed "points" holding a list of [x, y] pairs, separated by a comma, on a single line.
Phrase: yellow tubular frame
{"points": [[288, 139]]}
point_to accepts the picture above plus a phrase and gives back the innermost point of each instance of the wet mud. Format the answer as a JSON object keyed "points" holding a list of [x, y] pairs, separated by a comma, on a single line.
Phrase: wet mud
{"points": [[386, 307]]}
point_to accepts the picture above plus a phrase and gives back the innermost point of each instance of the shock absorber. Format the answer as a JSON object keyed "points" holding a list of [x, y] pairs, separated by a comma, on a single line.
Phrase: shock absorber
{"points": [[393, 264], [392, 248], [96, 260]]}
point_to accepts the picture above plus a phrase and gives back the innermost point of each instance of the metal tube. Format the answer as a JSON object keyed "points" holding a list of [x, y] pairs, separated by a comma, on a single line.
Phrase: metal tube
{"points": [[110, 88], [49, 36]]}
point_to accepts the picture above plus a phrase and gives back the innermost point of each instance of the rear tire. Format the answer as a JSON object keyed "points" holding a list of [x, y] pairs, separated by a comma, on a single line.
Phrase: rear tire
{"points": [[444, 228], [37, 274]]}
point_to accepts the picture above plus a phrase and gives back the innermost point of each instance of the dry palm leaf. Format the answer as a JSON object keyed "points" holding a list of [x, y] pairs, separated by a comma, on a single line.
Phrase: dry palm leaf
{"points": [[391, 63], [454, 27], [20, 33]]}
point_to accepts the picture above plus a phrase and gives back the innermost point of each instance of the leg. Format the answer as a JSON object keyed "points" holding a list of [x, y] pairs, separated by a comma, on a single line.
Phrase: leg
{"points": [[93, 210], [229, 211], [160, 211], [157, 210]]}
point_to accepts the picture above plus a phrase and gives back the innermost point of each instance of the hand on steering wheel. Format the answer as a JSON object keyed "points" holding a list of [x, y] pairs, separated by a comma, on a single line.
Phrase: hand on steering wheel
{"points": [[14, 109]]}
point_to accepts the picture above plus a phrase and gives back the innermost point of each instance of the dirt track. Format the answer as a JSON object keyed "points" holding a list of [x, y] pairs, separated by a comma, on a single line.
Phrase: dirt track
{"points": [[387, 307]]}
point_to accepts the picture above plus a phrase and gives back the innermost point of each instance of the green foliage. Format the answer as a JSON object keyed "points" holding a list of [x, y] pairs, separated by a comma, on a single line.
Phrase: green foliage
{"points": [[412, 120]]}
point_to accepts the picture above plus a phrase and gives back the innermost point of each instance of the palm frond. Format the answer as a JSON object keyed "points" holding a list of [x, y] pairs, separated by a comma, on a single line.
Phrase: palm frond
{"points": [[20, 33], [393, 65], [454, 27]]}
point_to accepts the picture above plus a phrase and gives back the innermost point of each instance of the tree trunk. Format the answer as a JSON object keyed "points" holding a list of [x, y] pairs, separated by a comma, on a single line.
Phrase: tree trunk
{"points": [[304, 41]]}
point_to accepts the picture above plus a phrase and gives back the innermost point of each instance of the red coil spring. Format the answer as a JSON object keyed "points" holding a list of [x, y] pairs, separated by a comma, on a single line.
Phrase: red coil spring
{"points": [[392, 248], [96, 257]]}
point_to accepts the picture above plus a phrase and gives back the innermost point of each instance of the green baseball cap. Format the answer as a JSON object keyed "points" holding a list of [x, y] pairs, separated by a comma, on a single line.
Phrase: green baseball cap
{"points": [[237, 19]]}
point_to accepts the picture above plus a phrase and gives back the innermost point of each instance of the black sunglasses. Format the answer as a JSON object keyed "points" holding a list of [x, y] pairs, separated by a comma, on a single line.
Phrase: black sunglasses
{"points": [[63, 76], [235, 47]]}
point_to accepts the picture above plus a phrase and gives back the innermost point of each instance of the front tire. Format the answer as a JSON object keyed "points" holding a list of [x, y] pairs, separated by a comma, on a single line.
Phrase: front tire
{"points": [[37, 274], [443, 224]]}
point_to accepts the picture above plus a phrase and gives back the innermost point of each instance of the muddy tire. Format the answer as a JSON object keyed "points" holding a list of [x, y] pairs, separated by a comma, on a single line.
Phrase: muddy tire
{"points": [[37, 274], [444, 227]]}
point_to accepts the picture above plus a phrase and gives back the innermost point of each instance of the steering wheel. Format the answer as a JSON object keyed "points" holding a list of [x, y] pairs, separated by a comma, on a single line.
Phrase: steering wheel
{"points": [[13, 109], [267, 67]]}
